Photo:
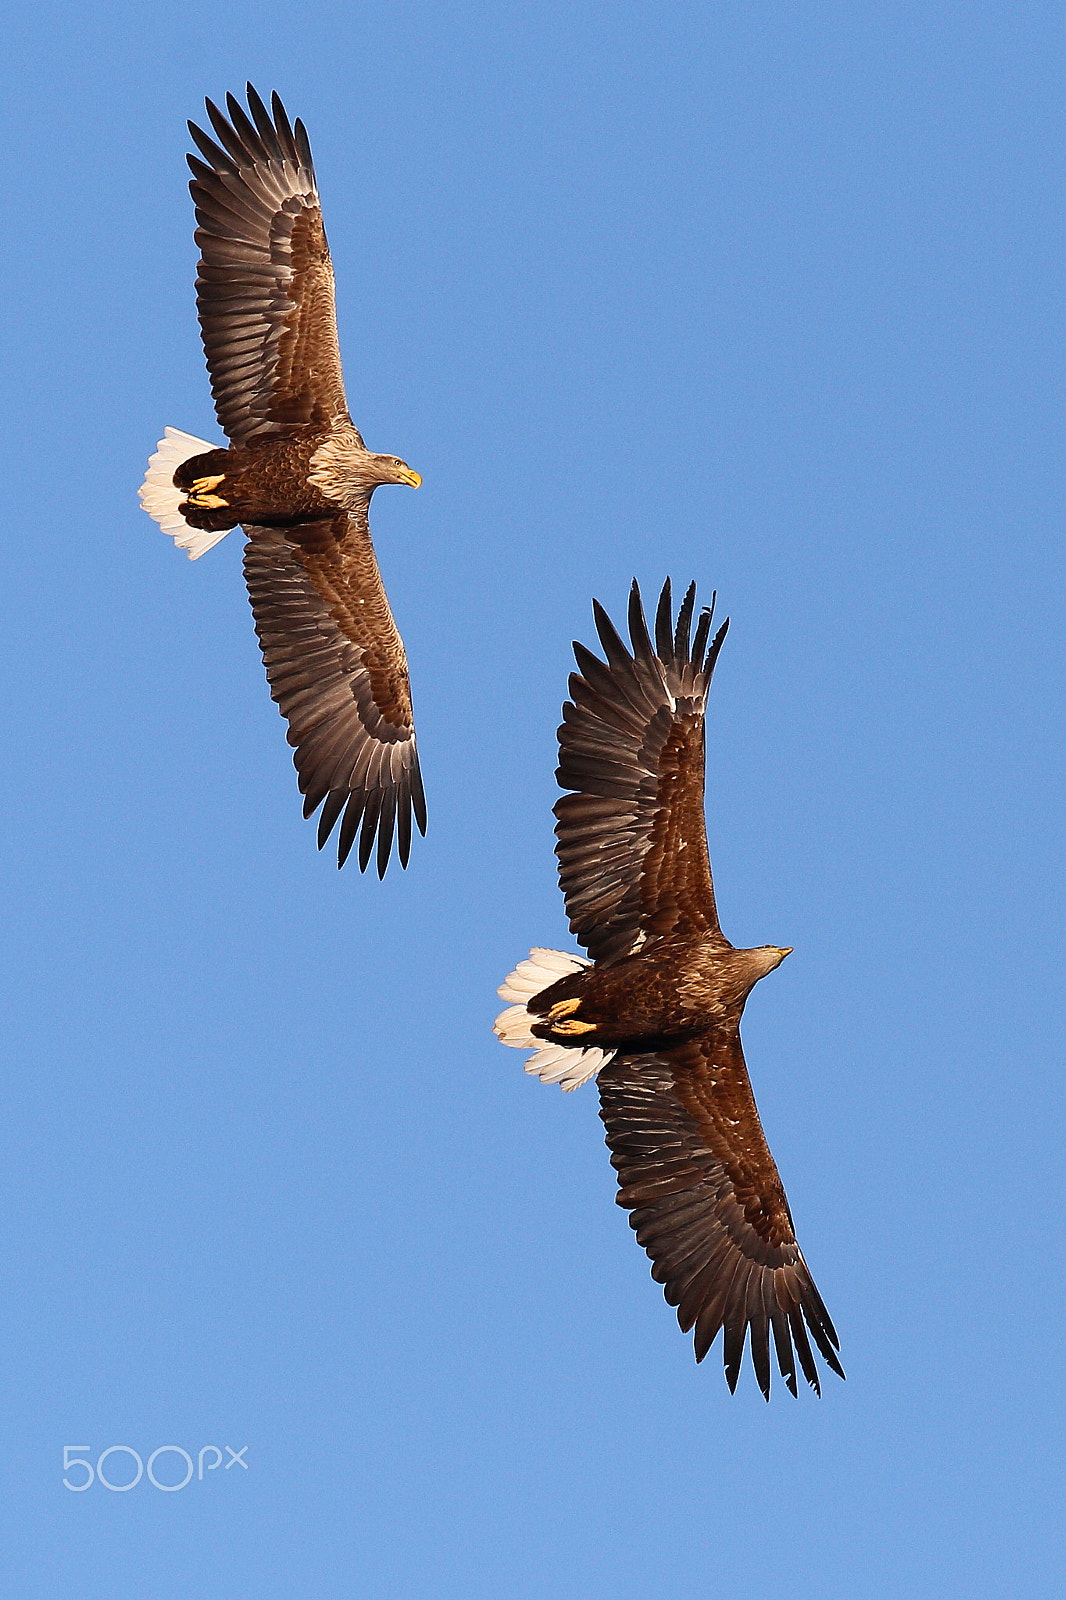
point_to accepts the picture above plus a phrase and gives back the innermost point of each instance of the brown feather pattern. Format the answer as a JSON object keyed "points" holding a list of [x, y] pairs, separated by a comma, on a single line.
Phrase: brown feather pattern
{"points": [[700, 1190], [265, 281], [348, 705], [632, 846], [683, 1129], [334, 658]]}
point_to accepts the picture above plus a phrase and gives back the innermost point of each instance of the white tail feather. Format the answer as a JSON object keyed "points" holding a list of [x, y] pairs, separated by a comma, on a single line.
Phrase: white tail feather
{"points": [[568, 1068], [551, 1063], [161, 499]]}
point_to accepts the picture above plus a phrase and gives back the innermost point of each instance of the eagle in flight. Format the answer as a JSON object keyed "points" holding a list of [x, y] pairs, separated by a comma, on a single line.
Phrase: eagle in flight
{"points": [[654, 1012], [297, 477]]}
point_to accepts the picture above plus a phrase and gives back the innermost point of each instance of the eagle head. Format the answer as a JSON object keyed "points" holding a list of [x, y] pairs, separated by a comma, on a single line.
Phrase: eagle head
{"points": [[390, 469]]}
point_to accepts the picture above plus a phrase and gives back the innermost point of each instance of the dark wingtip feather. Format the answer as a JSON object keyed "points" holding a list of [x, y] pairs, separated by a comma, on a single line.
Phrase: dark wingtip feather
{"points": [[386, 825], [803, 1349], [335, 802], [301, 142], [638, 625], [822, 1331], [833, 1363], [403, 824], [369, 829], [611, 640], [821, 1314], [585, 660], [684, 625], [786, 1361], [353, 812], [270, 136], [733, 1354], [664, 631], [736, 1323], [284, 127], [703, 628], [699, 642], [706, 1332], [228, 136], [759, 1339], [716, 645], [418, 797], [243, 126], [200, 171], [217, 158]]}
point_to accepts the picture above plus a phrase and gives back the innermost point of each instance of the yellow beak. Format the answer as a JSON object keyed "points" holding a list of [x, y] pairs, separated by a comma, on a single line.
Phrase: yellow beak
{"points": [[407, 476]]}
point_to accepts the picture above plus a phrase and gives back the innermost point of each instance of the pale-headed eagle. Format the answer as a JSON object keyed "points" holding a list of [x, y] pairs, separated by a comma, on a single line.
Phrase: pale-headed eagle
{"points": [[297, 477], [655, 1014]]}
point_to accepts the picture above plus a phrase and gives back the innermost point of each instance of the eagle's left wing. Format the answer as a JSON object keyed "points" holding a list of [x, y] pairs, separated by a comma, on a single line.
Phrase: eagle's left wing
{"points": [[706, 1201], [337, 669]]}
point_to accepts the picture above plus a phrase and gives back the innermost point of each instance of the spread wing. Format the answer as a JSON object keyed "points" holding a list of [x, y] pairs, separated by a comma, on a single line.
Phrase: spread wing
{"points": [[706, 1201], [337, 669], [632, 839], [265, 282]]}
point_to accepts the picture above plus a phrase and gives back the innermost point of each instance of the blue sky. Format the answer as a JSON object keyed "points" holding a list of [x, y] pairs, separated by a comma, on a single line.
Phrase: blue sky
{"points": [[764, 295]]}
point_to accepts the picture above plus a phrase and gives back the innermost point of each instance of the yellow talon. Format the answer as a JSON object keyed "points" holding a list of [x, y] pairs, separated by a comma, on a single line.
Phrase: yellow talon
{"points": [[202, 485], [207, 502], [563, 1008], [573, 1026]]}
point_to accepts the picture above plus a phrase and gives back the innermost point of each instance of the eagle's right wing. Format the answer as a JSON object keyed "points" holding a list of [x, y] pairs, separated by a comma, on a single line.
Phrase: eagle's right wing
{"points": [[632, 838], [265, 283]]}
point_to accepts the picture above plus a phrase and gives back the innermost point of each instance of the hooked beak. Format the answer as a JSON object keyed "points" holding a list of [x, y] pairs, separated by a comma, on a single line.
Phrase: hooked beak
{"points": [[407, 476]]}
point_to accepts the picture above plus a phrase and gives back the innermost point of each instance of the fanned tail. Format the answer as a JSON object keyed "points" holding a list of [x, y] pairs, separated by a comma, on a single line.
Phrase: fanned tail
{"points": [[161, 499], [551, 1063]]}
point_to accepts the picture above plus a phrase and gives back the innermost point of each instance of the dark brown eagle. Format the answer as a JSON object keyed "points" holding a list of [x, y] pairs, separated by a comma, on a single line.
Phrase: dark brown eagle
{"points": [[655, 1015], [297, 477]]}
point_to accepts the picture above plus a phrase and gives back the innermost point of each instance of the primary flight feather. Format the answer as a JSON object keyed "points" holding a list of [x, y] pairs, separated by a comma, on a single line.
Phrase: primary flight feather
{"points": [[653, 1012], [298, 478]]}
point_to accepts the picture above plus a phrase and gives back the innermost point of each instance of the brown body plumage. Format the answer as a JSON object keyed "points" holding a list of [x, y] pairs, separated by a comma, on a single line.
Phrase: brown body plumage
{"points": [[672, 988], [264, 484], [655, 1014], [298, 477]]}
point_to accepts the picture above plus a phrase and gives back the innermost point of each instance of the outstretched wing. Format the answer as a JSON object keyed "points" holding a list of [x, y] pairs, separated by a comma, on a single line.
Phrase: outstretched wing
{"points": [[265, 282], [632, 839], [337, 669], [706, 1201]]}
